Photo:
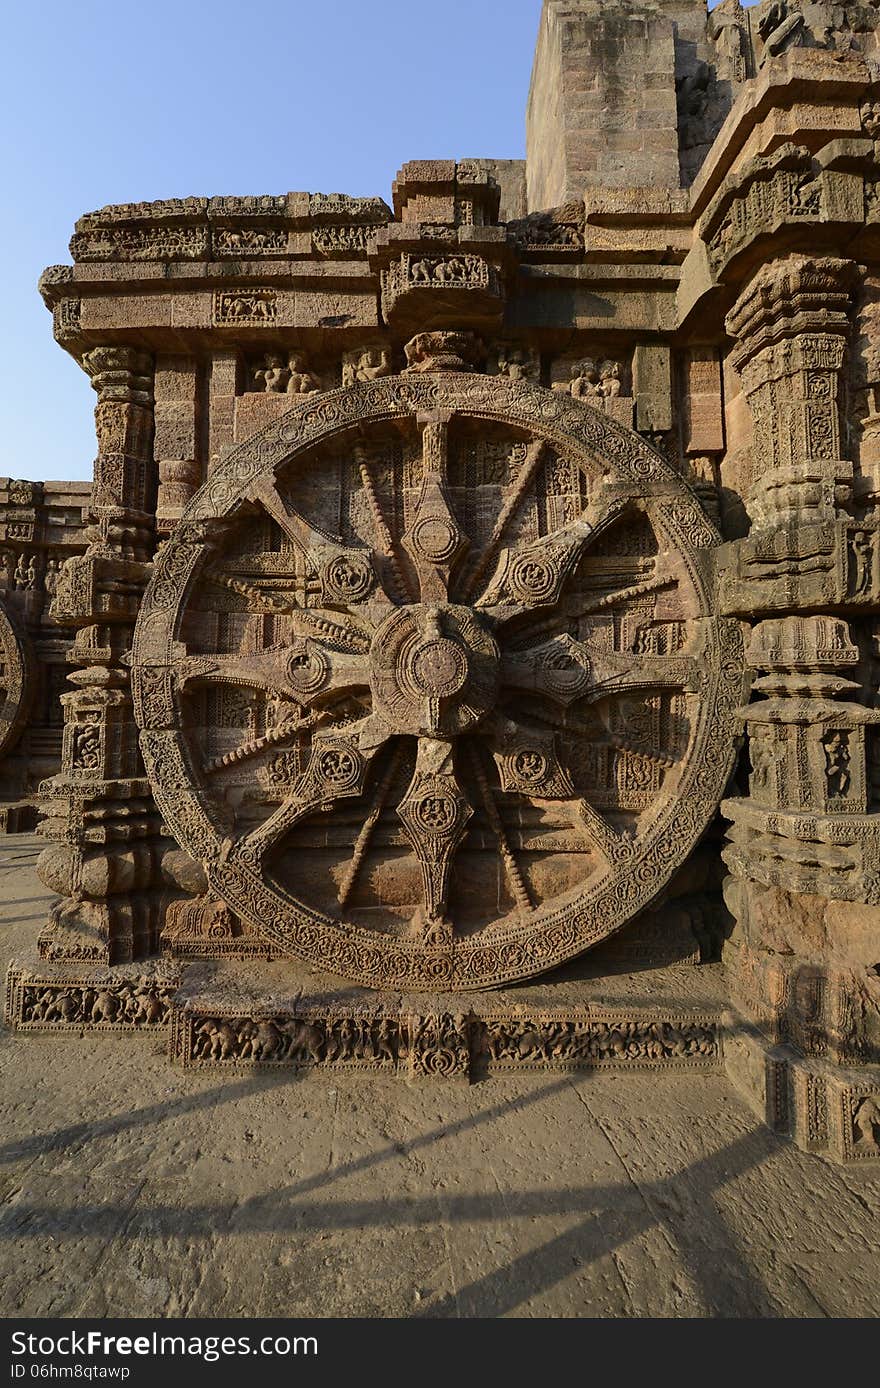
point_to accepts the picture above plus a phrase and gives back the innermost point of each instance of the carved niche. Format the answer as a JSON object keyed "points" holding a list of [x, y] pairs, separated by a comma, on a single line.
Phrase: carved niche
{"points": [[428, 677]]}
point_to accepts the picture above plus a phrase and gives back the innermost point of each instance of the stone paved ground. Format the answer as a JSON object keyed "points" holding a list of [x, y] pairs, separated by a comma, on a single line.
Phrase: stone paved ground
{"points": [[131, 1188]]}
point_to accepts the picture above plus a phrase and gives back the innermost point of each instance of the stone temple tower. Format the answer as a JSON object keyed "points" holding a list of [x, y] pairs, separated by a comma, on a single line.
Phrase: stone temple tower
{"points": [[473, 635]]}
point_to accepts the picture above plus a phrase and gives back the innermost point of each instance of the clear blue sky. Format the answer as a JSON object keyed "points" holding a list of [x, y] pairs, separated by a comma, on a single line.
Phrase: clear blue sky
{"points": [[120, 102]]}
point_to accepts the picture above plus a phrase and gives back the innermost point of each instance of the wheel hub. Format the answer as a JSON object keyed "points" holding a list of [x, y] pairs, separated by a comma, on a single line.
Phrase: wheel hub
{"points": [[434, 670]]}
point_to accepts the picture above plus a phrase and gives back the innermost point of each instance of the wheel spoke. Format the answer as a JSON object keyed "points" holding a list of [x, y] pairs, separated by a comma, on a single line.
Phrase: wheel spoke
{"points": [[632, 746], [577, 607], [605, 839], [515, 880], [336, 770], [384, 540], [434, 813], [434, 540], [344, 573], [564, 670], [285, 730], [305, 672], [534, 457], [532, 574], [362, 842], [261, 599], [528, 761]]}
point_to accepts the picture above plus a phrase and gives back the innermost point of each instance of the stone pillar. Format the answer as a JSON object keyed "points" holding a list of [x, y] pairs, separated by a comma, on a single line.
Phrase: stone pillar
{"points": [[703, 424], [176, 447], [99, 808], [792, 326], [804, 850], [804, 855]]}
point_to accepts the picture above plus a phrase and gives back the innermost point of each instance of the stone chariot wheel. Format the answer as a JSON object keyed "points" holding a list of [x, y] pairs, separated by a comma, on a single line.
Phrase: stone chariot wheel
{"points": [[429, 679], [15, 687]]}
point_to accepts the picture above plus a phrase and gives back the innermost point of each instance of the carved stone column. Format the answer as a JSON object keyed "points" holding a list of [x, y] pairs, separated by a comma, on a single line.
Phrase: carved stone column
{"points": [[804, 850], [176, 446], [867, 382], [792, 324], [99, 809]]}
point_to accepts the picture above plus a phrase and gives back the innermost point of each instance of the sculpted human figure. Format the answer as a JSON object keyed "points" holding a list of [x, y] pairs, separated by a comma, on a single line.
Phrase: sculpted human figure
{"points": [[584, 380], [837, 763], [780, 28], [300, 380], [367, 365], [515, 364], [861, 550], [609, 379], [448, 271], [382, 1047], [274, 376], [726, 29], [866, 1121]]}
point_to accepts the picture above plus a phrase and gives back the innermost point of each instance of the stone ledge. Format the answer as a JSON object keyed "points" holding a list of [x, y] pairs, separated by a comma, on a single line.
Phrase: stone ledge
{"points": [[278, 1017]]}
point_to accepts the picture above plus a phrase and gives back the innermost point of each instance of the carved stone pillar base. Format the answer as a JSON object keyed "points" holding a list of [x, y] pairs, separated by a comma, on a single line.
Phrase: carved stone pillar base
{"points": [[803, 1043], [832, 1112], [801, 492], [835, 856], [103, 865]]}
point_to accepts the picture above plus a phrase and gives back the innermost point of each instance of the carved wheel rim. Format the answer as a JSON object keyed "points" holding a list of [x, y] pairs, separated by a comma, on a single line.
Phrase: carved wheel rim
{"points": [[14, 683], [444, 682]]}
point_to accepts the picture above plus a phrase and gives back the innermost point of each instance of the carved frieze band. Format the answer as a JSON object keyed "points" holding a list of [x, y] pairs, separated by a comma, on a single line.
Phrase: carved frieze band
{"points": [[446, 1045], [93, 1002]]}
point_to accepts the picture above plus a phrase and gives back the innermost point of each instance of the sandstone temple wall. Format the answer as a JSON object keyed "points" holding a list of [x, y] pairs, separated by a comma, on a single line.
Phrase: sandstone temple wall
{"points": [[486, 583]]}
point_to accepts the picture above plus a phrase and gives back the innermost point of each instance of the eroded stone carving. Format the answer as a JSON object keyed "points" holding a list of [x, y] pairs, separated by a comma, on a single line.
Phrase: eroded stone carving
{"points": [[437, 678], [408, 696], [443, 1046]]}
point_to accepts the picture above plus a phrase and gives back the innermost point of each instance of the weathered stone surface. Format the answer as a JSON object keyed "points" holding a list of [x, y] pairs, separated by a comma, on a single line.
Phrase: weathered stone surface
{"points": [[41, 526], [441, 556], [132, 1189]]}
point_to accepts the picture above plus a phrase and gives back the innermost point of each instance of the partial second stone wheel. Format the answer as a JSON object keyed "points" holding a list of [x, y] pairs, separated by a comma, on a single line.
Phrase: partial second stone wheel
{"points": [[428, 679], [15, 687]]}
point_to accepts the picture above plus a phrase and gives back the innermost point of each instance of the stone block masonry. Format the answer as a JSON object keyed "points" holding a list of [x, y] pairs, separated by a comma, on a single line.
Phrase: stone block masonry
{"points": [[480, 586]]}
